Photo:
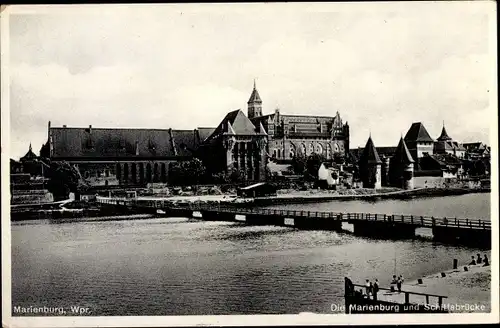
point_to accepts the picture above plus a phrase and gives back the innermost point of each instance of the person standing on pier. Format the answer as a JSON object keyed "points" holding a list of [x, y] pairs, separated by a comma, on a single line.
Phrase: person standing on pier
{"points": [[399, 283], [375, 289], [479, 259], [368, 287], [486, 261], [473, 262]]}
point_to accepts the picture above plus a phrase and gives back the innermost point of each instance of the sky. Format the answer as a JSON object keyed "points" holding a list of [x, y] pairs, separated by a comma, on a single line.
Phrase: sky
{"points": [[382, 66]]}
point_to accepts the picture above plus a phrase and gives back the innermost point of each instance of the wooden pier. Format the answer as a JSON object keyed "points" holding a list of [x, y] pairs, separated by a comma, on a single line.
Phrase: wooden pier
{"points": [[466, 231], [391, 301]]}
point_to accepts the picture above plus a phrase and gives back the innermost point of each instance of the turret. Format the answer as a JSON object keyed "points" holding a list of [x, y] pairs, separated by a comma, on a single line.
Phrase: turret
{"points": [[401, 167], [370, 166], [254, 103]]}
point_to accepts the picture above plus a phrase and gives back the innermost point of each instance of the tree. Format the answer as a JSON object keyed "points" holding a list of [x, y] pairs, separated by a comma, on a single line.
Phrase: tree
{"points": [[63, 179], [313, 163], [194, 171], [299, 162], [187, 173]]}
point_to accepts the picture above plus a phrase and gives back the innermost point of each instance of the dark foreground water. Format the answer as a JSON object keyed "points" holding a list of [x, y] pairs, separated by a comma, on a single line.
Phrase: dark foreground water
{"points": [[166, 266]]}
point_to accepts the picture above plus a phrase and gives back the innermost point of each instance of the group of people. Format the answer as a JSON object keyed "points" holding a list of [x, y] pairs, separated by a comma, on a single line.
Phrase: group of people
{"points": [[397, 281], [371, 289], [480, 260]]}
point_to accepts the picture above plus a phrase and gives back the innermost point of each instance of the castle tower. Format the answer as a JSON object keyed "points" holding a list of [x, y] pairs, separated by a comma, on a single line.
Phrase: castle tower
{"points": [[401, 167], [254, 103], [444, 135], [370, 166]]}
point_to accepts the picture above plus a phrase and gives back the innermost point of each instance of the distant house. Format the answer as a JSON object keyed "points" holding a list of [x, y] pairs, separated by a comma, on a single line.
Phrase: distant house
{"points": [[329, 174], [446, 145], [476, 150], [440, 165]]}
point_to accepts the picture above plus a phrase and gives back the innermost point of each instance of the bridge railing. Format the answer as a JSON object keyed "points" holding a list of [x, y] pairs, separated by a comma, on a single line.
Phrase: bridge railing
{"points": [[421, 221], [408, 293]]}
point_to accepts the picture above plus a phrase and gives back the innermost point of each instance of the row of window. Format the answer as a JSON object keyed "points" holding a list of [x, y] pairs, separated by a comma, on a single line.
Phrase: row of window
{"points": [[310, 149]]}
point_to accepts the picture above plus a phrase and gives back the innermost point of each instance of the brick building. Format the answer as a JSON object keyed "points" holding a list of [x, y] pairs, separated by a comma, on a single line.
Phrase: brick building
{"points": [[293, 134]]}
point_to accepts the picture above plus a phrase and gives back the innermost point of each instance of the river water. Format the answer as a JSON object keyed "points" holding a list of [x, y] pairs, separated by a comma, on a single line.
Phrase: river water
{"points": [[167, 266]]}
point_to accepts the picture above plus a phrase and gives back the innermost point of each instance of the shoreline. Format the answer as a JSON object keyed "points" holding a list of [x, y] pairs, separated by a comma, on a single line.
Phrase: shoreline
{"points": [[465, 290], [400, 194]]}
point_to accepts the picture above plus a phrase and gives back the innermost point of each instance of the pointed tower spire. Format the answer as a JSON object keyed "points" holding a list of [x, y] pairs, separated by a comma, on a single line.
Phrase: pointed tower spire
{"points": [[30, 147], [444, 135], [254, 103], [402, 154], [370, 154]]}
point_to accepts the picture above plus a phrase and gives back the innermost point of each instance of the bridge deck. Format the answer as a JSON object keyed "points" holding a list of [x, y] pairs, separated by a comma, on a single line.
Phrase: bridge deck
{"points": [[417, 221]]}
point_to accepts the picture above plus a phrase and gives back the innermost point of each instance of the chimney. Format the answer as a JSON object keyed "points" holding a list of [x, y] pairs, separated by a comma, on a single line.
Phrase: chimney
{"points": [[90, 128]]}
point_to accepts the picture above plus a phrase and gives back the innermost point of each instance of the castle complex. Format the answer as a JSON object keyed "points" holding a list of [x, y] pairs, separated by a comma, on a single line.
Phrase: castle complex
{"points": [[113, 156], [246, 144], [290, 135]]}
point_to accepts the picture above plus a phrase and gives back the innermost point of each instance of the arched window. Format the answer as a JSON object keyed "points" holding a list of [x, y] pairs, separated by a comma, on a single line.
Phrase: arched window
{"points": [[141, 173], [134, 173], [311, 149], [292, 151], [149, 174], [303, 149], [125, 172], [329, 151], [118, 171], [156, 175], [319, 149], [279, 153], [163, 173]]}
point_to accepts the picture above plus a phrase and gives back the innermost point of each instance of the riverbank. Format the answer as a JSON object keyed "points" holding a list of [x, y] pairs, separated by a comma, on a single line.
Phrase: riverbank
{"points": [[466, 291], [365, 194]]}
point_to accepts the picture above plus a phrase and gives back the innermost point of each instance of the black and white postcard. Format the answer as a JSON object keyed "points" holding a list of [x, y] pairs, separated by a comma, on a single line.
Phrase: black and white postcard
{"points": [[249, 164]]}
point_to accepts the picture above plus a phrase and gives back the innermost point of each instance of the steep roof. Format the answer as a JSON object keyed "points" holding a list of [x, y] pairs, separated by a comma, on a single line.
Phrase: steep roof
{"points": [[254, 97], [30, 155], [444, 135], [111, 143], [418, 133], [205, 133], [235, 123], [370, 154], [402, 154]]}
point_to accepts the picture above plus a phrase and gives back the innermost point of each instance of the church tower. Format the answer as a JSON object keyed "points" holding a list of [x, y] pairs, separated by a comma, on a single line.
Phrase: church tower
{"points": [[254, 103]]}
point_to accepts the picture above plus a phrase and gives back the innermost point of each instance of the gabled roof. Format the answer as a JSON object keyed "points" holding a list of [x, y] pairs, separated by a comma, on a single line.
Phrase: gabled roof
{"points": [[234, 123], [418, 133], [110, 143], [254, 97], [204, 133], [370, 154], [402, 154]]}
